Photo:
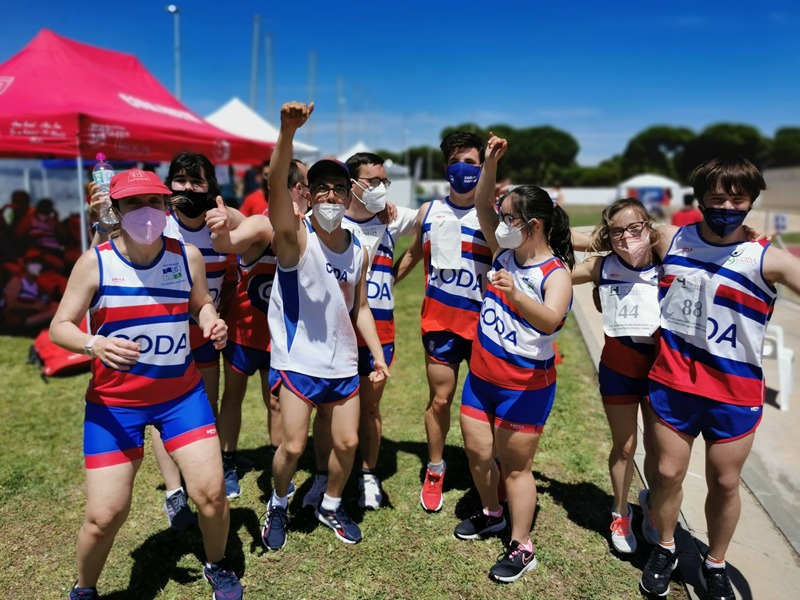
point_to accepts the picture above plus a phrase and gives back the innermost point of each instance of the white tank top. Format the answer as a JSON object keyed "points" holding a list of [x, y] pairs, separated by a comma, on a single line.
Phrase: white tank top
{"points": [[309, 311]]}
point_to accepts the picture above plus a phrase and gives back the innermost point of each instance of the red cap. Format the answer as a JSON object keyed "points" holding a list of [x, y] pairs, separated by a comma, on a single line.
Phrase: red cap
{"points": [[136, 182]]}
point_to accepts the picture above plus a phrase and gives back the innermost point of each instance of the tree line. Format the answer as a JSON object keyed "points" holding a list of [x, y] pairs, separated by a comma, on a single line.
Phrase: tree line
{"points": [[546, 155]]}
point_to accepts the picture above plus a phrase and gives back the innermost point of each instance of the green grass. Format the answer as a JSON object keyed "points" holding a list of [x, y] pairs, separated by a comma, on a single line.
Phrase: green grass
{"points": [[584, 215], [790, 239], [406, 553]]}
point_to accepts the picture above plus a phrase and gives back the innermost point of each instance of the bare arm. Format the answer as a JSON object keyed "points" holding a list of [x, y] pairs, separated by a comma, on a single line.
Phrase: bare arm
{"points": [[413, 254], [228, 238], [365, 323], [201, 305], [484, 193], [588, 270], [580, 241], [83, 283], [289, 232], [782, 267], [557, 295]]}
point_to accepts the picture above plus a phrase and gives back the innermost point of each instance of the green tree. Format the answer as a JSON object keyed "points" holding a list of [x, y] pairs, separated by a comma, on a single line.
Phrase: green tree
{"points": [[785, 148], [723, 139], [654, 151]]}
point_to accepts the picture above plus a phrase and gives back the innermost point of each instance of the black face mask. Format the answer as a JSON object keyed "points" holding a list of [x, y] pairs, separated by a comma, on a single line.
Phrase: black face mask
{"points": [[191, 203]]}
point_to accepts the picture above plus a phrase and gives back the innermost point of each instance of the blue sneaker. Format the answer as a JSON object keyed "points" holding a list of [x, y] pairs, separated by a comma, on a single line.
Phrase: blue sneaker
{"points": [[291, 492], [77, 593], [343, 526], [273, 534], [178, 512], [223, 581], [232, 488]]}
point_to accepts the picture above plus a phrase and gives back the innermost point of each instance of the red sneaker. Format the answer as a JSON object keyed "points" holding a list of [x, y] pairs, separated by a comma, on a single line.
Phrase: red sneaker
{"points": [[431, 495]]}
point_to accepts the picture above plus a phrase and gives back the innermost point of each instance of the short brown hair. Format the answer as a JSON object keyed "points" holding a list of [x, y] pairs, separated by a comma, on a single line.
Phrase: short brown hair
{"points": [[734, 174]]}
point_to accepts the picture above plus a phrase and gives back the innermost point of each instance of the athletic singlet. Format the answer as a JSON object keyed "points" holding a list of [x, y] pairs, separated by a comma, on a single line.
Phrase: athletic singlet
{"points": [[454, 293], [512, 353], [631, 356], [29, 290], [216, 263], [148, 305], [309, 311], [247, 316], [379, 240], [715, 305]]}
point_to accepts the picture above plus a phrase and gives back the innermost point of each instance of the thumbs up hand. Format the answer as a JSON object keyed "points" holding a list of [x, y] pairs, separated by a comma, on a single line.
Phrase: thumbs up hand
{"points": [[217, 219]]}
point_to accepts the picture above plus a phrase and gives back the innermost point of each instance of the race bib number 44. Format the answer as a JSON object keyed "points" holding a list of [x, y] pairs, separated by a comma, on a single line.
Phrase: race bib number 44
{"points": [[629, 309], [686, 305]]}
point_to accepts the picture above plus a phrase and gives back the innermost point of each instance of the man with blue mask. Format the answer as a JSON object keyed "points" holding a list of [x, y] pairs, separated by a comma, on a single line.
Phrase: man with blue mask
{"points": [[457, 260]]}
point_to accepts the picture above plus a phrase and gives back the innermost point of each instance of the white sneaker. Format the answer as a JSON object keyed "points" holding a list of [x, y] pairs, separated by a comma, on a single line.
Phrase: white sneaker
{"points": [[622, 538], [314, 496], [649, 530], [369, 489]]}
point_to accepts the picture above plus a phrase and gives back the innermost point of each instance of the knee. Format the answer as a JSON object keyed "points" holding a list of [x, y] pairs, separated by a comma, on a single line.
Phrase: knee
{"points": [[103, 523], [440, 404], [670, 475], [346, 443], [210, 498], [625, 449], [727, 485], [293, 448]]}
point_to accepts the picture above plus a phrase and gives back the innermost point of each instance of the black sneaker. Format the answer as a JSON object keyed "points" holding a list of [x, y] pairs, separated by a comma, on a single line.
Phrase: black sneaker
{"points": [[479, 525], [717, 583], [513, 563], [223, 581], [657, 571], [77, 593], [178, 512]]}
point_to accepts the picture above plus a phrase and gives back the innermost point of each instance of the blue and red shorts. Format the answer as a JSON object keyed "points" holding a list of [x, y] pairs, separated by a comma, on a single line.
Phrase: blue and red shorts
{"points": [[446, 347], [366, 364], [114, 435], [317, 390], [203, 351], [692, 415], [245, 359], [518, 410], [619, 389]]}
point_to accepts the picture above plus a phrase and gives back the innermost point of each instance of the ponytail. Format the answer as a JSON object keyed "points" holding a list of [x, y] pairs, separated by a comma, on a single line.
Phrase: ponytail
{"points": [[560, 237]]}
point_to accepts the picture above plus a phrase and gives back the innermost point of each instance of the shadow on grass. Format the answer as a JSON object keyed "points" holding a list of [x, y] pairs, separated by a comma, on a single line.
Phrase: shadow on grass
{"points": [[156, 560]]}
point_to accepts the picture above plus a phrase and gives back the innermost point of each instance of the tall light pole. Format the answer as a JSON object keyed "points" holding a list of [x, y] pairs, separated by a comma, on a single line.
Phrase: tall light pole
{"points": [[176, 13]]}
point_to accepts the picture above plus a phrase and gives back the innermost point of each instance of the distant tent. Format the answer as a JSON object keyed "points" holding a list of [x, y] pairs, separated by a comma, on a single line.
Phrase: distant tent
{"points": [[654, 191], [239, 119]]}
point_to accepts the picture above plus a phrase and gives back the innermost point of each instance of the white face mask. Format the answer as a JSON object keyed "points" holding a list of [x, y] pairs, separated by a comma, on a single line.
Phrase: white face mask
{"points": [[508, 237], [329, 216], [374, 199]]}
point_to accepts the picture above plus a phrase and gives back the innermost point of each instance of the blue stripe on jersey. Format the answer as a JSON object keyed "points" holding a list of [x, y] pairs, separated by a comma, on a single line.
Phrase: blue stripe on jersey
{"points": [[717, 269], [108, 328], [513, 316], [210, 252], [381, 314], [161, 371], [451, 300], [155, 293], [477, 233], [291, 303], [385, 249], [745, 311], [479, 258], [215, 275], [382, 268], [725, 365], [523, 362]]}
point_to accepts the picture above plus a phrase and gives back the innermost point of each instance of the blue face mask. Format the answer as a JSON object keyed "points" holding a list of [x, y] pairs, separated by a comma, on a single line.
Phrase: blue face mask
{"points": [[723, 221], [463, 177]]}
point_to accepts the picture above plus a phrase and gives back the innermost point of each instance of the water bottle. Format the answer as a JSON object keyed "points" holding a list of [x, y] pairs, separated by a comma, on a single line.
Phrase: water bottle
{"points": [[102, 174]]}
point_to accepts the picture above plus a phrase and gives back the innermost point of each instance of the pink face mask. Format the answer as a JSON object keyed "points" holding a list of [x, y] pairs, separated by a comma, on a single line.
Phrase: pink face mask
{"points": [[634, 251], [145, 225]]}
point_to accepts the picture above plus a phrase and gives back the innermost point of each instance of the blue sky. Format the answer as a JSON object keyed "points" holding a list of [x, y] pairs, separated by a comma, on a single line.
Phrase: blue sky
{"points": [[601, 71]]}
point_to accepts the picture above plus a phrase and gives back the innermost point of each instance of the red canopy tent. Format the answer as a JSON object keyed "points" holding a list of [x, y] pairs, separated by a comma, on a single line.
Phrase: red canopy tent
{"points": [[61, 98]]}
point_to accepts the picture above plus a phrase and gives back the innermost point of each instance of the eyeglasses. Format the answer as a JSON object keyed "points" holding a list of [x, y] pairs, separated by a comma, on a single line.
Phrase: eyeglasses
{"points": [[374, 182], [322, 190], [508, 219], [635, 229]]}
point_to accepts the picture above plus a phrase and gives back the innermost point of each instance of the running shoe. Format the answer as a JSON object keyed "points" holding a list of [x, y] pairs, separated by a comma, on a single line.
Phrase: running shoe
{"points": [[513, 564], [77, 593], [657, 571], [314, 496], [622, 537], [223, 581], [276, 526], [431, 497], [343, 526], [369, 492], [478, 525], [649, 531], [232, 488], [178, 512], [718, 584]]}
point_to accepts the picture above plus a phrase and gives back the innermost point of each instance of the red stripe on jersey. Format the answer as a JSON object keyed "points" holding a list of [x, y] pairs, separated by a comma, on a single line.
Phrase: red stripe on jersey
{"points": [[625, 360], [120, 388], [383, 260], [124, 313], [758, 305], [477, 249], [110, 459], [501, 373], [437, 316]]}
